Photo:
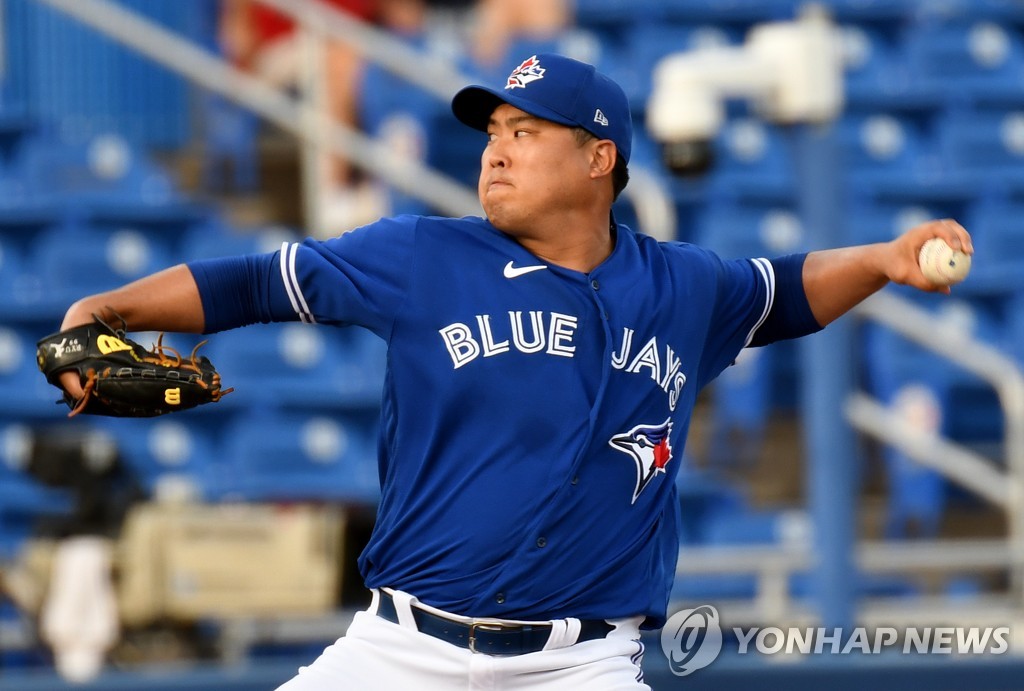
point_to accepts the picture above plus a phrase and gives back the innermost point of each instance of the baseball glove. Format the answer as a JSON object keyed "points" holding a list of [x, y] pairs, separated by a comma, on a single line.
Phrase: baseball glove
{"points": [[120, 378]]}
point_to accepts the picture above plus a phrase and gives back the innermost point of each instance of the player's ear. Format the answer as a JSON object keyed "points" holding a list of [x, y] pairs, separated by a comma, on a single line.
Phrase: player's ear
{"points": [[602, 158]]}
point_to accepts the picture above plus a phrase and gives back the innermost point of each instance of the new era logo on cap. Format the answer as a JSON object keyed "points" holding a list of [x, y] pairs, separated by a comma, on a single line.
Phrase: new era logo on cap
{"points": [[559, 89]]}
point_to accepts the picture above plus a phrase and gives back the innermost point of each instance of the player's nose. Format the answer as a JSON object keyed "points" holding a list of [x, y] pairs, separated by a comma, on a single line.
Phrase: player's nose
{"points": [[495, 155]]}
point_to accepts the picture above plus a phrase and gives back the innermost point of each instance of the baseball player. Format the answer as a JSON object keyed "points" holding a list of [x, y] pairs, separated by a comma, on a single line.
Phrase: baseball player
{"points": [[543, 363]]}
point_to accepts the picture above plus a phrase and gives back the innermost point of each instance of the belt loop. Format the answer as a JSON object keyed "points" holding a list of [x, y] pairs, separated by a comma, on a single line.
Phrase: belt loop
{"points": [[564, 632], [374, 601], [403, 608]]}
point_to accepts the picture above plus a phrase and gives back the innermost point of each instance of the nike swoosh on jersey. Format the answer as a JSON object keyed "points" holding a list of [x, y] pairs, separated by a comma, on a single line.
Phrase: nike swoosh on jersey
{"points": [[514, 271]]}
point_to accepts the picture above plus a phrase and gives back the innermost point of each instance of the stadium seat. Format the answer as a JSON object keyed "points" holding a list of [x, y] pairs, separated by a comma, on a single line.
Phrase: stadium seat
{"points": [[736, 230], [165, 455], [871, 219], [22, 499], [215, 238], [103, 175], [297, 366], [875, 71], [648, 43], [230, 140], [76, 261], [279, 456], [997, 230], [600, 13], [741, 403], [986, 144], [936, 395], [24, 391], [752, 160], [981, 60]]}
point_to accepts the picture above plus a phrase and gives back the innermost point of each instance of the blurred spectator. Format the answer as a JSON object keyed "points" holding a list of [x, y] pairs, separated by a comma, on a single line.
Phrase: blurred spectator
{"points": [[261, 40], [489, 26]]}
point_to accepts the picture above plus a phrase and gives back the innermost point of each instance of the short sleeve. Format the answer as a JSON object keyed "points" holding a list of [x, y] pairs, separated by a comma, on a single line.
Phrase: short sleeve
{"points": [[358, 278], [744, 294]]}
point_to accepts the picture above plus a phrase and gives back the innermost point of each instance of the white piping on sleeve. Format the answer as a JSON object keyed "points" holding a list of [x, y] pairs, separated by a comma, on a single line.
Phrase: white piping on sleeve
{"points": [[768, 274], [291, 282]]}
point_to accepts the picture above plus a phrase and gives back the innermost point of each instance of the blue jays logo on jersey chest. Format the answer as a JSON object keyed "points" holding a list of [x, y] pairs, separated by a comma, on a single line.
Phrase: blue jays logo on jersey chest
{"points": [[650, 447]]}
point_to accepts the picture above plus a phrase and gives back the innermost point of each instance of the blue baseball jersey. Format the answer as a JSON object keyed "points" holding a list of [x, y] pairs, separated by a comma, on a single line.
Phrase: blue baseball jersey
{"points": [[533, 417]]}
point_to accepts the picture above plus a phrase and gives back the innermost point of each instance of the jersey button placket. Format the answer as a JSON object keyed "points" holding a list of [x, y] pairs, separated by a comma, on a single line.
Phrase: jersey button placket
{"points": [[542, 542], [500, 598]]}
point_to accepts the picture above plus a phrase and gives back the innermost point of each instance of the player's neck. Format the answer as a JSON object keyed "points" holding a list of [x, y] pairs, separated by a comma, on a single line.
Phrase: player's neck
{"points": [[573, 248]]}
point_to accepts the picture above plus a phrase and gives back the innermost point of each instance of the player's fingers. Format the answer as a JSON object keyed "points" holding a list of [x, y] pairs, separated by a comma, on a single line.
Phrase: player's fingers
{"points": [[955, 235], [70, 382]]}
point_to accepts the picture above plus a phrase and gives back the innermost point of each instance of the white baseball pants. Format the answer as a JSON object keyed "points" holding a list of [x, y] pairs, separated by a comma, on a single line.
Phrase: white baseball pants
{"points": [[378, 654]]}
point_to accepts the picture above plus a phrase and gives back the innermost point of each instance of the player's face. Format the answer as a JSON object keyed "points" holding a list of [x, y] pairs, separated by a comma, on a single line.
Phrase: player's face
{"points": [[532, 171]]}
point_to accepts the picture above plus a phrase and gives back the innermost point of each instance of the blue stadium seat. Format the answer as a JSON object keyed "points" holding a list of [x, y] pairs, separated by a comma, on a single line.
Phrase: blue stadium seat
{"points": [[21, 288], [986, 144], [750, 230], [76, 261], [216, 239], [1013, 342], [279, 456], [167, 449], [599, 13], [882, 148], [752, 160], [703, 496], [230, 146], [741, 403], [22, 499], [875, 70], [872, 219], [647, 43], [980, 60], [297, 366], [940, 397], [24, 391], [997, 229], [104, 174]]}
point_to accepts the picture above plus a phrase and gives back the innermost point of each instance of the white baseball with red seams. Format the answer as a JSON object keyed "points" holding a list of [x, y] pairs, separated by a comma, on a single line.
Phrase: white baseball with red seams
{"points": [[941, 264]]}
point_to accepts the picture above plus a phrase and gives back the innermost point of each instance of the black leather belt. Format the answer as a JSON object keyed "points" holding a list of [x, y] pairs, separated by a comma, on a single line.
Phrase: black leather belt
{"points": [[490, 638]]}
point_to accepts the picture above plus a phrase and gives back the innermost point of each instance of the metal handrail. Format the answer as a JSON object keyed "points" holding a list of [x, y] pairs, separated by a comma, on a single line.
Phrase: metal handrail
{"points": [[305, 122], [308, 120], [987, 363], [771, 564]]}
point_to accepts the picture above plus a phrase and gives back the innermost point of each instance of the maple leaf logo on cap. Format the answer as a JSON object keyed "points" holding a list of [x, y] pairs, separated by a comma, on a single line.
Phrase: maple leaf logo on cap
{"points": [[529, 71]]}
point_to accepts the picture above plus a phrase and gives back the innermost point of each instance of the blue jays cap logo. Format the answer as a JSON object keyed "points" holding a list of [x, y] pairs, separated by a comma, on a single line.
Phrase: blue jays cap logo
{"points": [[529, 71], [650, 449]]}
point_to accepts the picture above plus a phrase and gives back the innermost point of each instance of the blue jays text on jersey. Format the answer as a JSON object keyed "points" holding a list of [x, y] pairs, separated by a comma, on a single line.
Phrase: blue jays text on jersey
{"points": [[554, 334], [532, 417]]}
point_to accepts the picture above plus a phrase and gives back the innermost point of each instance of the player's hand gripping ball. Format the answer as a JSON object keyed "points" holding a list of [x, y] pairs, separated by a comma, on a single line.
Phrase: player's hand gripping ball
{"points": [[941, 264]]}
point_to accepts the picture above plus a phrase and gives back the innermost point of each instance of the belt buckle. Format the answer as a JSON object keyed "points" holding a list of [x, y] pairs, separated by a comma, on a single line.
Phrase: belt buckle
{"points": [[485, 626]]}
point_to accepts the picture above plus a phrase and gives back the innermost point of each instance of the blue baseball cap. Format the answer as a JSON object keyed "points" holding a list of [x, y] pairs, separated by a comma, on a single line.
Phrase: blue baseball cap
{"points": [[559, 89]]}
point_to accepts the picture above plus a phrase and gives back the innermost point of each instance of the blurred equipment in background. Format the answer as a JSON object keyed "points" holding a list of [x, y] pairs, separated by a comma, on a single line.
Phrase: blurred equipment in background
{"points": [[79, 615], [791, 70], [192, 561]]}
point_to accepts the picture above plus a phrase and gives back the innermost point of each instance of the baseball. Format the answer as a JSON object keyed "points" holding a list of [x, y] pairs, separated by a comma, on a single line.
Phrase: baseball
{"points": [[941, 264]]}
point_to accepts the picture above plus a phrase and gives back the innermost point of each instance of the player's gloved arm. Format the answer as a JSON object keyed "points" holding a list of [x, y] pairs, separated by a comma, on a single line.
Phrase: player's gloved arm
{"points": [[837, 280], [165, 301]]}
